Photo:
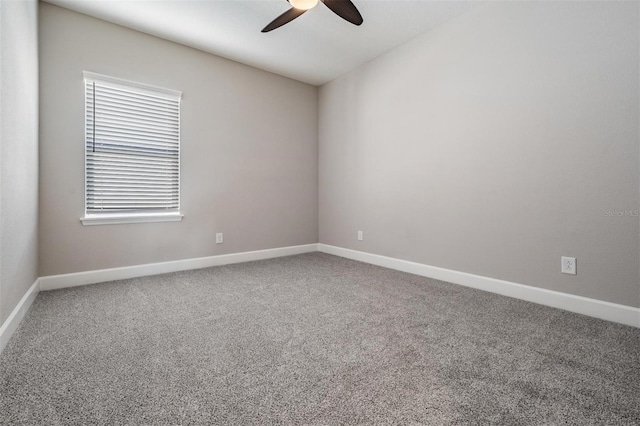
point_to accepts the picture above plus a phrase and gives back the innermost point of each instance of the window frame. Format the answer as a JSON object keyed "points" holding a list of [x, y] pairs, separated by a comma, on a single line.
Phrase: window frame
{"points": [[140, 216]]}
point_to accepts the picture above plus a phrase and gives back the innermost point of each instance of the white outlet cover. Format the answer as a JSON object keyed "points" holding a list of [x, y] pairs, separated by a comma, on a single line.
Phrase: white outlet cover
{"points": [[568, 265], [219, 238], [360, 236]]}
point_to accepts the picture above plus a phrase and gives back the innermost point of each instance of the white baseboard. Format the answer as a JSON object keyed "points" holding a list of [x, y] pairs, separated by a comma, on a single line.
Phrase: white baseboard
{"points": [[53, 282], [592, 307], [582, 305], [13, 321]]}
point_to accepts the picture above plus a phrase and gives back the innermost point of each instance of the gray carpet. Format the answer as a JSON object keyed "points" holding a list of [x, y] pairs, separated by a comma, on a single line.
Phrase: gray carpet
{"points": [[312, 339]]}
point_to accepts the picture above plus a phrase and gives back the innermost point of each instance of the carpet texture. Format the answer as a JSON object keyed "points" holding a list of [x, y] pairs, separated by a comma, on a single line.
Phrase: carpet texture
{"points": [[312, 339]]}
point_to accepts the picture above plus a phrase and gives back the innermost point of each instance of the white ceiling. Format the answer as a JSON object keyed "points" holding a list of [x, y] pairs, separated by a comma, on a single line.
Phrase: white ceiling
{"points": [[315, 48]]}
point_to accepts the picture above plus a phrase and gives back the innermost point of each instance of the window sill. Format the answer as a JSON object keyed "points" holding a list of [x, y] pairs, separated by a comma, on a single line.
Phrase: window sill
{"points": [[114, 219]]}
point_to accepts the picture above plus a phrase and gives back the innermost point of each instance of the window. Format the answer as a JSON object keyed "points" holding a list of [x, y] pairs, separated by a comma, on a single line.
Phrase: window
{"points": [[132, 152]]}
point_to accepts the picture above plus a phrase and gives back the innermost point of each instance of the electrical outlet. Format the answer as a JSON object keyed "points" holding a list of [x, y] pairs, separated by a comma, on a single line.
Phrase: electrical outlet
{"points": [[219, 238], [568, 265], [360, 236]]}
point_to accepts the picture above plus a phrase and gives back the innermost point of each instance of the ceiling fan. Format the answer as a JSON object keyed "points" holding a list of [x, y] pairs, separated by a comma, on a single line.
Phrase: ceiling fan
{"points": [[343, 8]]}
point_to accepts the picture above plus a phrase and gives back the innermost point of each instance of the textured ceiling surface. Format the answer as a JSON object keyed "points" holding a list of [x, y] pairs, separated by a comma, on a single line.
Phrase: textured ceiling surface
{"points": [[315, 48]]}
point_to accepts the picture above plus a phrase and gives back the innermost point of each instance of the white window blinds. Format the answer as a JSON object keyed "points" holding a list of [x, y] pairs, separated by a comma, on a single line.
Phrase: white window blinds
{"points": [[132, 147]]}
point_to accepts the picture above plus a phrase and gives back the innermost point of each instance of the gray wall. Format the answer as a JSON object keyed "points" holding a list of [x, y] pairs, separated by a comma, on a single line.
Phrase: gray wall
{"points": [[249, 150], [18, 151], [494, 145]]}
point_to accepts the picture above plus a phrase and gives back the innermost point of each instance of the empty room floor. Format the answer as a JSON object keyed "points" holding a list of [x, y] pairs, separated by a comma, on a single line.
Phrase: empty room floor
{"points": [[312, 339]]}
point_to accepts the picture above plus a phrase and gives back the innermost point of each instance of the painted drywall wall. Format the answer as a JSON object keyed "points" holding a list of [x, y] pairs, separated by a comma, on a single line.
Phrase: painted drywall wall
{"points": [[18, 151], [248, 150], [494, 145]]}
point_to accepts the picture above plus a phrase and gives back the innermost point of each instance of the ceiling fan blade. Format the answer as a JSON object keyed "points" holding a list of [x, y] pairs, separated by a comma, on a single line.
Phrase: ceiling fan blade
{"points": [[288, 16], [345, 9]]}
